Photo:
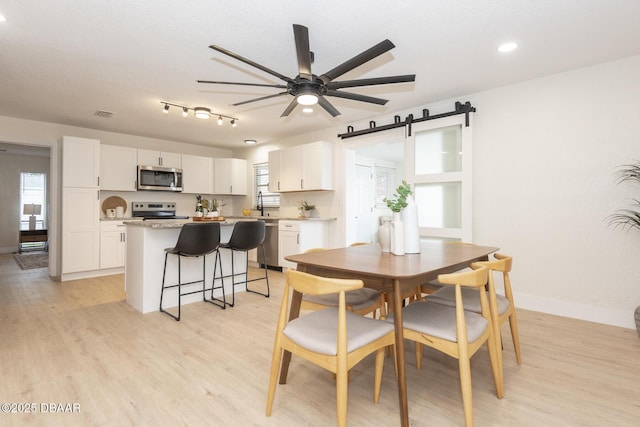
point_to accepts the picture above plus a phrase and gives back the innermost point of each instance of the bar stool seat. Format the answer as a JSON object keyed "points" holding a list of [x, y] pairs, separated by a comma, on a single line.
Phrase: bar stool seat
{"points": [[246, 235], [195, 240]]}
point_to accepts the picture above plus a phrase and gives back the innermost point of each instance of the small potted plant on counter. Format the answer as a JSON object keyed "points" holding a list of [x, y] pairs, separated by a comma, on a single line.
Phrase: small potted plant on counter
{"points": [[304, 209]]}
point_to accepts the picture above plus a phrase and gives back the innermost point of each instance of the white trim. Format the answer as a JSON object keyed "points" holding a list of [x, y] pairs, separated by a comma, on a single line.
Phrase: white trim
{"points": [[607, 316]]}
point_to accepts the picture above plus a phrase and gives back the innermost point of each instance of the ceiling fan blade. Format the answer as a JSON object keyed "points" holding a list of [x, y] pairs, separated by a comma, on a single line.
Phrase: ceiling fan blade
{"points": [[374, 81], [356, 97], [301, 35], [289, 108], [250, 62], [322, 101], [259, 99], [357, 60], [241, 84]]}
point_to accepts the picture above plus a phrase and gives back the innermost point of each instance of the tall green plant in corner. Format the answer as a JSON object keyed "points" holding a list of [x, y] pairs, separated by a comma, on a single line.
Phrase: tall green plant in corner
{"points": [[629, 218]]}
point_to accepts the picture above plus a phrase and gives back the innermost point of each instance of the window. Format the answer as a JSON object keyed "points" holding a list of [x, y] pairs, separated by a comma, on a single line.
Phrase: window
{"points": [[261, 173], [32, 192]]}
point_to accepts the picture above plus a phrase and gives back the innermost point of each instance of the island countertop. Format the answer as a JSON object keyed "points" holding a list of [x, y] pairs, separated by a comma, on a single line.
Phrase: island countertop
{"points": [[178, 223]]}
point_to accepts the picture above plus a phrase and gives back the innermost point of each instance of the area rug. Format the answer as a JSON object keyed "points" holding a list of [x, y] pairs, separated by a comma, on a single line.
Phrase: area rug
{"points": [[31, 261]]}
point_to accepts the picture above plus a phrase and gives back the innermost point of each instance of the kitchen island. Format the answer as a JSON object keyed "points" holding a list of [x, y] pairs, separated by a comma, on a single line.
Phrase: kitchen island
{"points": [[146, 241]]}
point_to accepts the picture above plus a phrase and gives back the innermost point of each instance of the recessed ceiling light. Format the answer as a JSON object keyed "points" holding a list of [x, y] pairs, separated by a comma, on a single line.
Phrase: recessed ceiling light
{"points": [[2, 18], [250, 141], [307, 110], [507, 47]]}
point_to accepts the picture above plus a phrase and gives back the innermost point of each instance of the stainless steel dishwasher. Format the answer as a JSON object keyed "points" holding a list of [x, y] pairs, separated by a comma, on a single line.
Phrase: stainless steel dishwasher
{"points": [[270, 246]]}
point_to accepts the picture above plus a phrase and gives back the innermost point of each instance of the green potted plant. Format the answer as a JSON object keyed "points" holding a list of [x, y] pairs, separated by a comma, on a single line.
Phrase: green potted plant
{"points": [[629, 219], [399, 201], [304, 209]]}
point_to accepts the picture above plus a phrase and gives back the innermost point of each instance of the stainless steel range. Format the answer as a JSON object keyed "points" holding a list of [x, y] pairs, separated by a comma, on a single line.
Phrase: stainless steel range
{"points": [[155, 210]]}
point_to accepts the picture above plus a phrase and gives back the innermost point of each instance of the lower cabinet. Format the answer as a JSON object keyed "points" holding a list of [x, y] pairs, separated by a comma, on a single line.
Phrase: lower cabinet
{"points": [[295, 237], [113, 242]]}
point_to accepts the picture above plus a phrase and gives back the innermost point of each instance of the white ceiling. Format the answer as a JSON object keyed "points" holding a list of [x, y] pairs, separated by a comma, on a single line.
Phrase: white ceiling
{"points": [[62, 60]]}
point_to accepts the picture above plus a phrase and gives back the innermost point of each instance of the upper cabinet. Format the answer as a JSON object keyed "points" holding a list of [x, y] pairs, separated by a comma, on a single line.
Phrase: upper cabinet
{"points": [[197, 174], [159, 158], [306, 167], [80, 162], [230, 176], [118, 168]]}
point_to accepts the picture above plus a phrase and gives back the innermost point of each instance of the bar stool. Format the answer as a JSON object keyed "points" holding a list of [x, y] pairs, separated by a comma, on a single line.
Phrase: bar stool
{"points": [[246, 235], [195, 240]]}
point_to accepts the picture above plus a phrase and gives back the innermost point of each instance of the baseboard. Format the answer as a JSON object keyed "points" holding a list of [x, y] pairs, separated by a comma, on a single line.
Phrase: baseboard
{"points": [[607, 316], [91, 273], [8, 249]]}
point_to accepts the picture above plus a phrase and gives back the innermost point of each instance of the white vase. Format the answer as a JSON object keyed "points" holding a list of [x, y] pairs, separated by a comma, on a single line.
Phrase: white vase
{"points": [[384, 234], [411, 231], [397, 235]]}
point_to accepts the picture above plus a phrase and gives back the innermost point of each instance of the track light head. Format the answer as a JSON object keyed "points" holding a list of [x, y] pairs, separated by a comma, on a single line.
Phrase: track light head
{"points": [[166, 108], [219, 120], [233, 123], [185, 111]]}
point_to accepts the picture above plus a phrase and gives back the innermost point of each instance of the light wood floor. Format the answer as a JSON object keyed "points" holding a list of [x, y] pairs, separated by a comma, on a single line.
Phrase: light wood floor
{"points": [[80, 342]]}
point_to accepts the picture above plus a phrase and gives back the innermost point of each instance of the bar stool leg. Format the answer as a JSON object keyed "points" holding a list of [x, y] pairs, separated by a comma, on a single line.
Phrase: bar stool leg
{"points": [[164, 274], [266, 274], [215, 301]]}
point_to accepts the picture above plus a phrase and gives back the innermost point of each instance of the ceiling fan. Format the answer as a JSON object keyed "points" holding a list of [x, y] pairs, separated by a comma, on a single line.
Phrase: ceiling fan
{"points": [[308, 88]]}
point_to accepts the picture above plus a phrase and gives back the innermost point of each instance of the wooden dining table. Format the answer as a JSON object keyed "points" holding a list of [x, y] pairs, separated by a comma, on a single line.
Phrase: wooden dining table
{"points": [[387, 273]]}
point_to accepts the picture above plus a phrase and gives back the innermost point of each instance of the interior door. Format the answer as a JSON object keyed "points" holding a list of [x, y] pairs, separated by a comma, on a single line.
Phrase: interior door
{"points": [[364, 219]]}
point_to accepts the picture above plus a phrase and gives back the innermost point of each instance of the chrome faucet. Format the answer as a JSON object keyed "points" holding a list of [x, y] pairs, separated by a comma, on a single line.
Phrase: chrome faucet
{"points": [[260, 203]]}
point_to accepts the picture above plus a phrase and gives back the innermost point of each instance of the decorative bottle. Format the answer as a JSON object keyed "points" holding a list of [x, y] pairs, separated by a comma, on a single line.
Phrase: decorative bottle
{"points": [[384, 234], [397, 235], [411, 230]]}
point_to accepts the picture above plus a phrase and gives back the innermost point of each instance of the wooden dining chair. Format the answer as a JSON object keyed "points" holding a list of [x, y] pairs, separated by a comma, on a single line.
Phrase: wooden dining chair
{"points": [[456, 332], [334, 338], [506, 309], [361, 301]]}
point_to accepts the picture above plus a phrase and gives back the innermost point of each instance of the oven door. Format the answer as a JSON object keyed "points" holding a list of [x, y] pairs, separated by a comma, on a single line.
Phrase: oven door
{"points": [[159, 179]]}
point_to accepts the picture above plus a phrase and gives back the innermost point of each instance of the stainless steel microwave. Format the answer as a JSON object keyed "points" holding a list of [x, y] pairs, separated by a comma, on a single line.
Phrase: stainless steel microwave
{"points": [[159, 178]]}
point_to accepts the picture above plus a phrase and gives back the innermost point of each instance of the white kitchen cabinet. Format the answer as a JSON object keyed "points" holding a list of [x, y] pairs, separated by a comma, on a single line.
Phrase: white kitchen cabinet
{"points": [[80, 205], [197, 174], [113, 243], [80, 229], [295, 237], [159, 158], [307, 167], [274, 171], [118, 168], [230, 176], [80, 162]]}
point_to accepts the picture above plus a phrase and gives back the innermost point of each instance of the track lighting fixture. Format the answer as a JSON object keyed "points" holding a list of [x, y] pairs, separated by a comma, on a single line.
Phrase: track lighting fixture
{"points": [[199, 112]]}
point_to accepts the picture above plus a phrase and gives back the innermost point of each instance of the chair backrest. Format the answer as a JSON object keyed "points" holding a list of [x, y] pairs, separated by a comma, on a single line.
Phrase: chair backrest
{"points": [[474, 278], [501, 263], [310, 284], [198, 239], [247, 235]]}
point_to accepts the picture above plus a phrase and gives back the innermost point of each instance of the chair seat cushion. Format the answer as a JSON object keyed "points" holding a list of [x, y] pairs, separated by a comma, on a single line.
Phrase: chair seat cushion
{"points": [[470, 299], [318, 331], [440, 321], [357, 299]]}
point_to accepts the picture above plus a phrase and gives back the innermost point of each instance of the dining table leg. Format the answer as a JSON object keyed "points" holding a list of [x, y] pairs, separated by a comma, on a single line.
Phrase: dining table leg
{"points": [[400, 359]]}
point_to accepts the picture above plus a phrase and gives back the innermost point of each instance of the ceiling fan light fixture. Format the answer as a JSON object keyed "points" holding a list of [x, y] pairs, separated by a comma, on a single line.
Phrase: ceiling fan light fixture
{"points": [[202, 113], [307, 110], [307, 99]]}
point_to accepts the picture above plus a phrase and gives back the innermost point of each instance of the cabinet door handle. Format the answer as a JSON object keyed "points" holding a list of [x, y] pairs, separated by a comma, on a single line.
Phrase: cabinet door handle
{"points": [[231, 189], [278, 185], [302, 183], [159, 161], [98, 194], [98, 179], [297, 238]]}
